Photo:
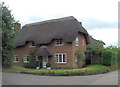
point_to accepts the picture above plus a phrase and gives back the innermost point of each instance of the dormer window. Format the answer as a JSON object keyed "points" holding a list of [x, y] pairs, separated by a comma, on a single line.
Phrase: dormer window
{"points": [[76, 42], [32, 44], [58, 42]]}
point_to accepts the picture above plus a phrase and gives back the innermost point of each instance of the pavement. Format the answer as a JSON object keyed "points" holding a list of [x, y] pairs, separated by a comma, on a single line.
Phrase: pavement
{"points": [[28, 79]]}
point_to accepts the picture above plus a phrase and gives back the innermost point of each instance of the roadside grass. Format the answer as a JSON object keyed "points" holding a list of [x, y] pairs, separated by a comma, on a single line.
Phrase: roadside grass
{"points": [[55, 71]]}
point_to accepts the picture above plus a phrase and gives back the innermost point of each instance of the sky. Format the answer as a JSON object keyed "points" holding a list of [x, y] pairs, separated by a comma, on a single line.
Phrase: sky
{"points": [[98, 17]]}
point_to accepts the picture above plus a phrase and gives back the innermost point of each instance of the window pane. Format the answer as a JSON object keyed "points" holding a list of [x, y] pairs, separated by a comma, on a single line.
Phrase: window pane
{"points": [[27, 58], [83, 42], [16, 58], [60, 57], [64, 58], [75, 58], [56, 57], [76, 41]]}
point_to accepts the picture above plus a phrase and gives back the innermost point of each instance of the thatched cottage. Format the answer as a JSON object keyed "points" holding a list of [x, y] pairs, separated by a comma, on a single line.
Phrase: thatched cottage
{"points": [[56, 42]]}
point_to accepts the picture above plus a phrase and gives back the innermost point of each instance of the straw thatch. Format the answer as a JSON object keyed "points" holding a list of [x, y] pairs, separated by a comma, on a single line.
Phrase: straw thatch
{"points": [[44, 32], [43, 51]]}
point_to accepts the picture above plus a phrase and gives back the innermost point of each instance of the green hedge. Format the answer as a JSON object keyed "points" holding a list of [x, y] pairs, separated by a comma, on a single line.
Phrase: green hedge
{"points": [[109, 57], [106, 57]]}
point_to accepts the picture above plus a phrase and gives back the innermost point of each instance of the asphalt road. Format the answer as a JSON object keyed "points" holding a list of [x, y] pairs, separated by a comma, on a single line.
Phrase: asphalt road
{"points": [[27, 79]]}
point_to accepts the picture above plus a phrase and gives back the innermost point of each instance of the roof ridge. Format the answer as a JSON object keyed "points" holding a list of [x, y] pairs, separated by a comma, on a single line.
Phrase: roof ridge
{"points": [[51, 20]]}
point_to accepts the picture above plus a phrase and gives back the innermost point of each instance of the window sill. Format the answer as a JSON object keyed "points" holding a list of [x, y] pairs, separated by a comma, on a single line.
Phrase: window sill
{"points": [[32, 46], [61, 63], [15, 61], [76, 45], [59, 45], [26, 61]]}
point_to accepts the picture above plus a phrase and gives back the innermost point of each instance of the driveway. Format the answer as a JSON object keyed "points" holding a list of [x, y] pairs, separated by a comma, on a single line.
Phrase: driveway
{"points": [[27, 79]]}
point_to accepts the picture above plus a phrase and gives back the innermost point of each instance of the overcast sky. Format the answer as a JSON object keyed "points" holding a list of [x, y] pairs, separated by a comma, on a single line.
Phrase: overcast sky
{"points": [[99, 17]]}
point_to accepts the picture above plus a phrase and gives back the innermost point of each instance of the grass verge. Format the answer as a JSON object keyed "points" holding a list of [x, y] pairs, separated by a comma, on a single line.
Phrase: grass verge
{"points": [[89, 68]]}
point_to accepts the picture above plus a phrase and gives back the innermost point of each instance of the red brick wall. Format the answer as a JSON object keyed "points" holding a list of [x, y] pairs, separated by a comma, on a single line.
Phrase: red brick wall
{"points": [[68, 48], [80, 47], [21, 51]]}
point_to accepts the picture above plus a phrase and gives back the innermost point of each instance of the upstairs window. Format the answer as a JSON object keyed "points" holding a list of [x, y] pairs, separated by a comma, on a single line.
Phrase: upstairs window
{"points": [[58, 42], [31, 44], [76, 42], [15, 58], [83, 42], [26, 58]]}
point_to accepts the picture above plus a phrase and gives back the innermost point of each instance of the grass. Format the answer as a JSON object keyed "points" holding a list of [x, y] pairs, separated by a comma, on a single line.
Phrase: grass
{"points": [[56, 71]]}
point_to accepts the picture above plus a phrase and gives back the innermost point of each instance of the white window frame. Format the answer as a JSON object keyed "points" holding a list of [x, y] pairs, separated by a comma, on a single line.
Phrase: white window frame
{"points": [[77, 41], [62, 58], [25, 60], [58, 43], [37, 58], [76, 58], [31, 44], [83, 42], [15, 58]]}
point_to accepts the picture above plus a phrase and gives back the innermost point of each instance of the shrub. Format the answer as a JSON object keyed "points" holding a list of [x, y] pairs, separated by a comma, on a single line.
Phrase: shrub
{"points": [[48, 64], [26, 65], [80, 58], [106, 57]]}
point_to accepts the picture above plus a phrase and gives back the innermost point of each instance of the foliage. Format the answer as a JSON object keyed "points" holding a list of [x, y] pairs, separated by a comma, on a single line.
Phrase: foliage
{"points": [[32, 59], [101, 41], [106, 57], [113, 55], [48, 64], [7, 37], [80, 58], [94, 52], [56, 71]]}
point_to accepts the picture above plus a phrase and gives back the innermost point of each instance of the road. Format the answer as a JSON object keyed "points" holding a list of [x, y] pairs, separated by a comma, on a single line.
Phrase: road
{"points": [[27, 79]]}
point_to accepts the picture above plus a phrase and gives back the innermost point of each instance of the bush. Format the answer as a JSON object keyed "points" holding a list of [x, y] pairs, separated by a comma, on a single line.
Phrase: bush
{"points": [[80, 58], [48, 64], [26, 65], [106, 57]]}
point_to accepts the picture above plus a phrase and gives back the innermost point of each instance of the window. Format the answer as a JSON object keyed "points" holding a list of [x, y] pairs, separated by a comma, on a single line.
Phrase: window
{"points": [[83, 42], [15, 58], [37, 58], [76, 42], [59, 42], [60, 58], [75, 58], [26, 58], [32, 44]]}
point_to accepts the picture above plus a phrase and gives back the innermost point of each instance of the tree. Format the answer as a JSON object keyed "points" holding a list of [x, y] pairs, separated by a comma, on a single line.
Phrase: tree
{"points": [[7, 36], [93, 51], [32, 59]]}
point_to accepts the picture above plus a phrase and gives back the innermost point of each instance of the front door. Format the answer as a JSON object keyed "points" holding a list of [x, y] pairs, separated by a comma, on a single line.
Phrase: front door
{"points": [[45, 60]]}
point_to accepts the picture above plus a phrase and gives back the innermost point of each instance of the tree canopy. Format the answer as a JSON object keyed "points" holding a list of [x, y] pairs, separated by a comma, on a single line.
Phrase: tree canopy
{"points": [[8, 35]]}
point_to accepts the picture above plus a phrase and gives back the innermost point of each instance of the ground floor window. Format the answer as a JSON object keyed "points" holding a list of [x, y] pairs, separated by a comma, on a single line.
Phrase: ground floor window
{"points": [[75, 58], [26, 58], [37, 58], [60, 57], [15, 58]]}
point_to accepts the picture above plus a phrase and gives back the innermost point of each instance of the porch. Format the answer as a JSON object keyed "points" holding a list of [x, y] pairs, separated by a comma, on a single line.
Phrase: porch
{"points": [[43, 56]]}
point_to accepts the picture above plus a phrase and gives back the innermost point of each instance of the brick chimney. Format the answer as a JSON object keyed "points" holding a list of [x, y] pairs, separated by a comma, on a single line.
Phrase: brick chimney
{"points": [[17, 26], [80, 23]]}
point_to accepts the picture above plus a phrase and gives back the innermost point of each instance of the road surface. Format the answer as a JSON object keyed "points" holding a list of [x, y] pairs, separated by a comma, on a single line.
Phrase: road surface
{"points": [[28, 79]]}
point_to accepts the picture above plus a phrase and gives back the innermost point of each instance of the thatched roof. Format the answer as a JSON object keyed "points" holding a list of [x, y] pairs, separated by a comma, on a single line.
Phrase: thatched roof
{"points": [[94, 42], [44, 32], [43, 51]]}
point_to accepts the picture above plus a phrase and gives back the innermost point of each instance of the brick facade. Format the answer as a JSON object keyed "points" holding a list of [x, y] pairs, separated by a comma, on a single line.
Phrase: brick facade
{"points": [[68, 48]]}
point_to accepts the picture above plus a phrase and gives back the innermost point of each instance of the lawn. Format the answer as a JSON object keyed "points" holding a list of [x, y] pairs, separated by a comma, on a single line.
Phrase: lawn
{"points": [[56, 71]]}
